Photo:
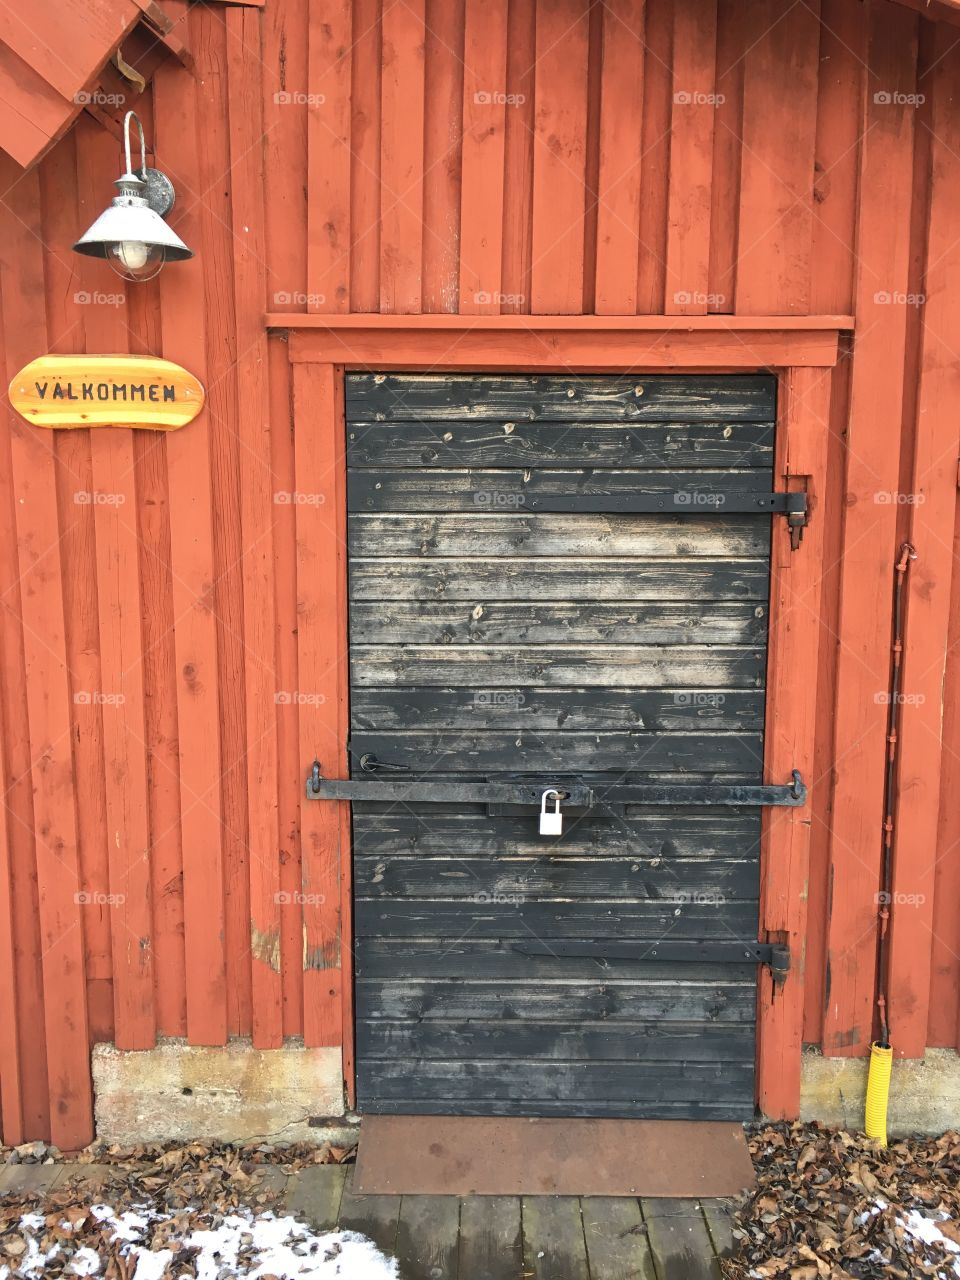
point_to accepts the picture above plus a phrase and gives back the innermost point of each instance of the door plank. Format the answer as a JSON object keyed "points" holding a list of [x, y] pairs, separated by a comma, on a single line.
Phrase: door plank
{"points": [[404, 397]]}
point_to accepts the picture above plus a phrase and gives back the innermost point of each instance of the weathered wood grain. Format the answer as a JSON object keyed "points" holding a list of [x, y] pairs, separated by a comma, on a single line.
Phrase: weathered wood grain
{"points": [[668, 833], [602, 665], [649, 444], [553, 1241], [531, 752], [617, 1247], [557, 580], [600, 1041], [556, 876], [507, 532], [534, 707], [518, 1080], [491, 1243], [396, 397], [641, 921], [428, 1236], [683, 493]]}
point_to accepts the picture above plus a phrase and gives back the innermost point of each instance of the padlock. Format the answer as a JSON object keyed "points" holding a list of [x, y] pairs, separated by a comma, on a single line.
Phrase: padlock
{"points": [[551, 821]]}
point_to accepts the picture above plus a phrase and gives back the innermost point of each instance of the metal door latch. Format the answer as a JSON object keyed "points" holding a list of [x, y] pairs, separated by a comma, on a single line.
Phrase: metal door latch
{"points": [[796, 512]]}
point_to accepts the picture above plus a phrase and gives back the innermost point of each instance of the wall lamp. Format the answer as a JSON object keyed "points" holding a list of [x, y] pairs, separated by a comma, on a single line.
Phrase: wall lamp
{"points": [[131, 234]]}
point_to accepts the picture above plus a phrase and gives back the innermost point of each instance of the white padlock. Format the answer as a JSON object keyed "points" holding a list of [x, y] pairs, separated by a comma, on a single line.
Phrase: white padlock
{"points": [[551, 820]]}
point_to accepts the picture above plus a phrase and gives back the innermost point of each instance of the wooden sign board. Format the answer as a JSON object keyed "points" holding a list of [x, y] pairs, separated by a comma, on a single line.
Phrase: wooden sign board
{"points": [[106, 391]]}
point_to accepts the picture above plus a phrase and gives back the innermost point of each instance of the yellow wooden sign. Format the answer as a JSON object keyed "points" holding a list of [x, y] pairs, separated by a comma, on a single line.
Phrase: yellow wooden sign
{"points": [[106, 391]]}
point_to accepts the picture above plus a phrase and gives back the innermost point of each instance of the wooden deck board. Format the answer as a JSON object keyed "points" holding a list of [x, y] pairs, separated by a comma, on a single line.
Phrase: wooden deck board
{"points": [[314, 1195], [491, 1241], [680, 1241], [373, 1216], [616, 1236], [478, 1237], [553, 1242], [428, 1236]]}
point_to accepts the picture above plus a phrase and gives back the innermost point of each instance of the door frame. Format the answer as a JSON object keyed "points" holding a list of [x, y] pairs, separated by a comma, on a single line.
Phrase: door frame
{"points": [[801, 351]]}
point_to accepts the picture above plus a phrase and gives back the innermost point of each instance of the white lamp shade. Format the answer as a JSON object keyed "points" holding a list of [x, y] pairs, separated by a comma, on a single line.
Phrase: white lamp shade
{"points": [[131, 222]]}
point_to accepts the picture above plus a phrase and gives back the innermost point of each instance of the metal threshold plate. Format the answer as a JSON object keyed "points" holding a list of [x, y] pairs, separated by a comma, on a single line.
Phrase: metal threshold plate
{"points": [[479, 1155]]}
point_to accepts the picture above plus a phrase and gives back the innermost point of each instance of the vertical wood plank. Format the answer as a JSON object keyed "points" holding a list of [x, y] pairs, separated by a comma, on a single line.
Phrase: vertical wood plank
{"points": [[442, 143], [64, 1009], [160, 721], [518, 157], [657, 108], [322, 661], [621, 158], [776, 186], [284, 46], [840, 94], [944, 1024], [559, 158], [484, 132], [328, 154], [803, 414], [192, 566], [17, 791], [121, 711], [929, 582], [822, 798], [691, 157], [11, 1091], [365, 149], [74, 291], [209, 45], [124, 739], [288, 746], [869, 532], [732, 40], [401, 156], [257, 504]]}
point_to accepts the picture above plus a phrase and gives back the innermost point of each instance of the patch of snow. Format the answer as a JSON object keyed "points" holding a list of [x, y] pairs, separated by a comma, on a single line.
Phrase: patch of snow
{"points": [[926, 1230], [252, 1245]]}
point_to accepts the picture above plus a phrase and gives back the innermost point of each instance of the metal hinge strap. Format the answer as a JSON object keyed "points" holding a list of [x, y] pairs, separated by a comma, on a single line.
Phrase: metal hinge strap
{"points": [[575, 794], [772, 955]]}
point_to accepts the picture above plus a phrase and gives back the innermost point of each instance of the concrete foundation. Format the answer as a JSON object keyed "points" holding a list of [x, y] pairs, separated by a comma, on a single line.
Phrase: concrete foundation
{"points": [[924, 1092], [233, 1093]]}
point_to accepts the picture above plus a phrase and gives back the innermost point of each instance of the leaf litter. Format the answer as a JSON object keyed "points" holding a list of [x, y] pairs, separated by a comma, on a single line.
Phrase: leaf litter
{"points": [[830, 1205], [176, 1212]]}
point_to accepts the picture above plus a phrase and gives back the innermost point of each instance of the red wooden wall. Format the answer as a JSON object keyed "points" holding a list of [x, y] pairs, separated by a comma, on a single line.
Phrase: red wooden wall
{"points": [[482, 156]]}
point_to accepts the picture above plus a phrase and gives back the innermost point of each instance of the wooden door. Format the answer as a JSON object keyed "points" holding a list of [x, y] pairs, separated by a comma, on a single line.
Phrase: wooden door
{"points": [[508, 623]]}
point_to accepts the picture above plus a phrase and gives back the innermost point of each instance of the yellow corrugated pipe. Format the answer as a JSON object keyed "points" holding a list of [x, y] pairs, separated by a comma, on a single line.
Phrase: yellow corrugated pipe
{"points": [[878, 1091]]}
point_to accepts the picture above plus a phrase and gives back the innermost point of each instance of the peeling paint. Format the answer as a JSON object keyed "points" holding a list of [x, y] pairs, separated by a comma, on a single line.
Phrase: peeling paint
{"points": [[265, 946], [326, 955]]}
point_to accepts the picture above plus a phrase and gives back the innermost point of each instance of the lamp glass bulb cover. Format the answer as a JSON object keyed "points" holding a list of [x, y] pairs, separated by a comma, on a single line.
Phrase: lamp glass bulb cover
{"points": [[135, 260]]}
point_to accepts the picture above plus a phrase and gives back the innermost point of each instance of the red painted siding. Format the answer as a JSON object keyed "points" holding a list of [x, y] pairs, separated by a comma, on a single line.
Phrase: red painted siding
{"points": [[531, 156]]}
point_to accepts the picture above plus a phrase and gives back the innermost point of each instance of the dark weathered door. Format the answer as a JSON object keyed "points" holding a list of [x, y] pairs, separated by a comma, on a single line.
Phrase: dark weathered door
{"points": [[508, 623]]}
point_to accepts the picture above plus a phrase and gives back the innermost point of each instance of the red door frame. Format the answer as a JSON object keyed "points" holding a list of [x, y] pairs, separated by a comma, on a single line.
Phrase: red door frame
{"points": [[801, 351]]}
